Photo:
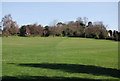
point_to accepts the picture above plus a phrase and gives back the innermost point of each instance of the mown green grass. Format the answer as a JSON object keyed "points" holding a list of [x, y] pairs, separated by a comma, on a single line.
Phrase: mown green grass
{"points": [[59, 57]]}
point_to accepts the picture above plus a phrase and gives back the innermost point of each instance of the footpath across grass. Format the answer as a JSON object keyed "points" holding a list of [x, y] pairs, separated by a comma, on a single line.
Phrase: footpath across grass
{"points": [[59, 58]]}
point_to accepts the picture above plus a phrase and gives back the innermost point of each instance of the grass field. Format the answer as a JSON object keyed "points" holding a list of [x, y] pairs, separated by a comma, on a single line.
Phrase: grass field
{"points": [[59, 58]]}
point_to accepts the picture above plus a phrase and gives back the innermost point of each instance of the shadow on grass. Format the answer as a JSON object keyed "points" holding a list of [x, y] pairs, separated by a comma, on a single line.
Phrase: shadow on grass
{"points": [[44, 78], [77, 68]]}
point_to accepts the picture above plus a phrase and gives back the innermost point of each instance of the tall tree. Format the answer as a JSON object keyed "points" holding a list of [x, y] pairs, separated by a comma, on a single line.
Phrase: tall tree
{"points": [[110, 32], [10, 27]]}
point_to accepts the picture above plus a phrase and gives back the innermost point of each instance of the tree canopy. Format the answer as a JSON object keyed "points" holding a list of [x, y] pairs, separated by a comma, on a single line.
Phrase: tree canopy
{"points": [[79, 28]]}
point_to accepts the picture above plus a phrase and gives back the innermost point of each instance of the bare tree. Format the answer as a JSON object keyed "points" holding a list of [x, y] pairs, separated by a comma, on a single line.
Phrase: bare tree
{"points": [[53, 28], [85, 19], [10, 27]]}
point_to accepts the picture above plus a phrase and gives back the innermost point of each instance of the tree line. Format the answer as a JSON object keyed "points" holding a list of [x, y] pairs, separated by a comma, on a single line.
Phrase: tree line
{"points": [[79, 28]]}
